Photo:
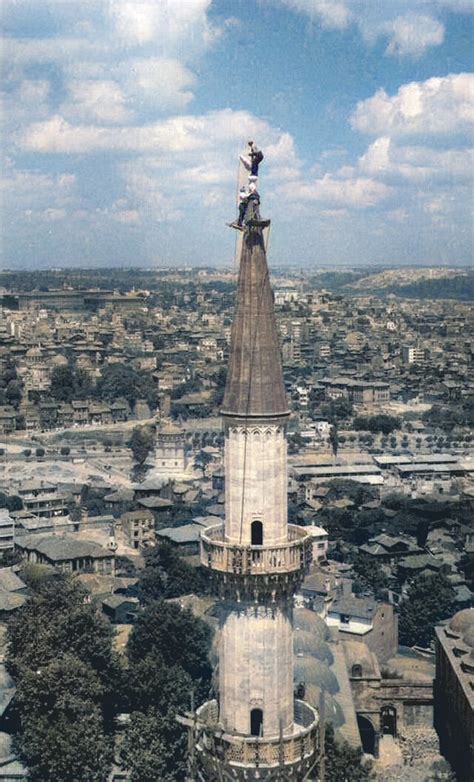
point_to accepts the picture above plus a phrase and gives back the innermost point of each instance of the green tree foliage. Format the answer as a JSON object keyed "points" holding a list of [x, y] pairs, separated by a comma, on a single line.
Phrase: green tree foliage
{"points": [[55, 621], [429, 600], [154, 748], [334, 440], [369, 574], [202, 460], [121, 381], [10, 502], [168, 651], [176, 635], [446, 418], [336, 410], [141, 442], [13, 393], [377, 423], [68, 383], [167, 575], [60, 655], [342, 762]]}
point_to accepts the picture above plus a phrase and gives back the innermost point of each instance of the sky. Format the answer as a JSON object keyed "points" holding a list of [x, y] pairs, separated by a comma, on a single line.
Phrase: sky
{"points": [[123, 121]]}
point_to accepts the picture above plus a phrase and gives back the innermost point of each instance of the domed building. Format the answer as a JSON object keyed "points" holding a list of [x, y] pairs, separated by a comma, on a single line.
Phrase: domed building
{"points": [[454, 692]]}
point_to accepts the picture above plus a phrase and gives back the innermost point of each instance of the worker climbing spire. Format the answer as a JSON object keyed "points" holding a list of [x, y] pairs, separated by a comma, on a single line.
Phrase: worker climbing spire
{"points": [[248, 197]]}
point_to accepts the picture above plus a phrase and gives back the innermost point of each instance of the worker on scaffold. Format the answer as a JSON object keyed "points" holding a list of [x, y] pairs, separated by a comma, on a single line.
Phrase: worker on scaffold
{"points": [[252, 162], [249, 209]]}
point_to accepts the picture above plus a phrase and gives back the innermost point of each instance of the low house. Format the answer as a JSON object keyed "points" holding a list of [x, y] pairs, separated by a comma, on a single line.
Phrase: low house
{"points": [[67, 553], [139, 527], [389, 549], [185, 538], [120, 609], [7, 419], [366, 619], [7, 530]]}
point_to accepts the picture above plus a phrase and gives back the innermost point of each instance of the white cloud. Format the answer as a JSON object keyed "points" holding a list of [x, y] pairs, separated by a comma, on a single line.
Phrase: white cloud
{"points": [[412, 34], [417, 164], [409, 28], [101, 101], [175, 135], [441, 105], [356, 192], [164, 84], [33, 192], [332, 14], [172, 28]]}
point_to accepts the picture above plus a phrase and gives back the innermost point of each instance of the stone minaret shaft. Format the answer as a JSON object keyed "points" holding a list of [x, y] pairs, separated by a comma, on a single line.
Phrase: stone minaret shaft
{"points": [[255, 729]]}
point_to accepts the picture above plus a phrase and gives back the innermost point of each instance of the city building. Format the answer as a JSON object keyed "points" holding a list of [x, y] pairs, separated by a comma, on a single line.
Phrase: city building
{"points": [[139, 527], [7, 530]]}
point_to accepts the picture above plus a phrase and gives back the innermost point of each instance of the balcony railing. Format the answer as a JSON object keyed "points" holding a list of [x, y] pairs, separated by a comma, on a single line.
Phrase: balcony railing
{"points": [[286, 750], [292, 556]]}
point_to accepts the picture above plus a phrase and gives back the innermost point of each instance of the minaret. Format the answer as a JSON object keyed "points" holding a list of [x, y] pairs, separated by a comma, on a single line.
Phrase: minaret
{"points": [[255, 729]]}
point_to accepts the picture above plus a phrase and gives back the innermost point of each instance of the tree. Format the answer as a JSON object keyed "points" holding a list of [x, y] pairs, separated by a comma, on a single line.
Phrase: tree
{"points": [[62, 384], [342, 762], [10, 502], [202, 460], [122, 381], [176, 635], [141, 443], [430, 599], [167, 575], [377, 423], [154, 748], [13, 393], [370, 573], [334, 440], [56, 620], [60, 655], [73, 747]]}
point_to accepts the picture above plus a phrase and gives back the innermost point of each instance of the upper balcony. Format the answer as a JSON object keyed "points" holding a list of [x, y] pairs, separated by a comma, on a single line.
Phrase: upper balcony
{"points": [[290, 558]]}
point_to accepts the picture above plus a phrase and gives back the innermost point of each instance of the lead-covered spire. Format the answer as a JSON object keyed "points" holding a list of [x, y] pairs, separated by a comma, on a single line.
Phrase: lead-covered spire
{"points": [[254, 385]]}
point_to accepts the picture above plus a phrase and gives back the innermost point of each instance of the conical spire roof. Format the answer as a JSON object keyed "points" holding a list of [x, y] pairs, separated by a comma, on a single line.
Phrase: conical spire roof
{"points": [[255, 378]]}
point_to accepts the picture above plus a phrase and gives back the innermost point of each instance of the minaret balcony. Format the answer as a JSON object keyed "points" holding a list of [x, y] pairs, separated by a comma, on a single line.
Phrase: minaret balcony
{"points": [[292, 752], [291, 557]]}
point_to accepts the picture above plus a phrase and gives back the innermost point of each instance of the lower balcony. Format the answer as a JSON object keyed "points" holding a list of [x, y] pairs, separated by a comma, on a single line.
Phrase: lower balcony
{"points": [[293, 753]]}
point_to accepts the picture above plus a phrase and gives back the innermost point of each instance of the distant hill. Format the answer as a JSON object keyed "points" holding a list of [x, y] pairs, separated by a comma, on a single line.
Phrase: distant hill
{"points": [[408, 283]]}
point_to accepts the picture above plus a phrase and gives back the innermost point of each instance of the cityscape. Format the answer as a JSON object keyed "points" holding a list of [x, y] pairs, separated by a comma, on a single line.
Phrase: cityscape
{"points": [[237, 392]]}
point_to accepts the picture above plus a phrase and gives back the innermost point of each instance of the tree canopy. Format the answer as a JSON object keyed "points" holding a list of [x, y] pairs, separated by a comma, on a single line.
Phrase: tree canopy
{"points": [[342, 762], [377, 423], [430, 599], [141, 443], [60, 655]]}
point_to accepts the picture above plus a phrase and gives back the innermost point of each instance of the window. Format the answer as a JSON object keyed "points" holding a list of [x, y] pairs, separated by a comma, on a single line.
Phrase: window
{"points": [[256, 722], [356, 671], [257, 533], [345, 619]]}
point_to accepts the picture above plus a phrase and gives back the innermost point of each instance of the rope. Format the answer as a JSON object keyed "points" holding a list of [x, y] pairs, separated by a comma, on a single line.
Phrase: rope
{"points": [[252, 354]]}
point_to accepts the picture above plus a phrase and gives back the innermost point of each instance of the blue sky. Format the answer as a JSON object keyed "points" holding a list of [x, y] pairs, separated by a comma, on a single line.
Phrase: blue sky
{"points": [[123, 121]]}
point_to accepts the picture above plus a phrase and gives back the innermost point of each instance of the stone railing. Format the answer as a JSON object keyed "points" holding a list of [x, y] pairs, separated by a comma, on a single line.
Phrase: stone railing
{"points": [[289, 557], [296, 747]]}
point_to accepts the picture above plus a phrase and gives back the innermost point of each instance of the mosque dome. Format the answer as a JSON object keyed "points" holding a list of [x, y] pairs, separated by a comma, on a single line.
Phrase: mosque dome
{"points": [[461, 622], [306, 643], [310, 671], [308, 621], [468, 637]]}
